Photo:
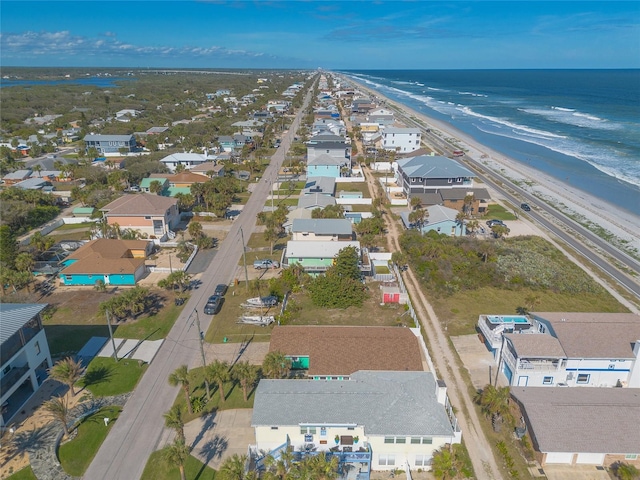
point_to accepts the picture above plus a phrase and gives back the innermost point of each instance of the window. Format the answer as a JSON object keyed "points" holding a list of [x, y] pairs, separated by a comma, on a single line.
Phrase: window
{"points": [[631, 456], [427, 440], [147, 217], [389, 440], [583, 378], [449, 180], [274, 428], [547, 381], [387, 460], [37, 347], [416, 440], [422, 461], [304, 430], [401, 439]]}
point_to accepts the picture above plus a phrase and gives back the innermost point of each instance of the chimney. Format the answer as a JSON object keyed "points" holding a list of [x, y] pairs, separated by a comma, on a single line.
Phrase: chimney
{"points": [[441, 392]]}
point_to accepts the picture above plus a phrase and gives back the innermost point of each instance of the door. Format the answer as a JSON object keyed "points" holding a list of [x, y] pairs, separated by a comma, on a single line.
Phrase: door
{"points": [[523, 380], [590, 458], [559, 457]]}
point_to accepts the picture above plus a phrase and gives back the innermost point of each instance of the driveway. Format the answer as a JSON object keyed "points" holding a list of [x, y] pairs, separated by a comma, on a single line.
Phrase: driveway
{"points": [[477, 360], [577, 472], [220, 435]]}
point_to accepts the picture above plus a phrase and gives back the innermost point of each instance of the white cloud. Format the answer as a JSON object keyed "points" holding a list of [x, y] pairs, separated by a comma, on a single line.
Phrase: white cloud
{"points": [[32, 45]]}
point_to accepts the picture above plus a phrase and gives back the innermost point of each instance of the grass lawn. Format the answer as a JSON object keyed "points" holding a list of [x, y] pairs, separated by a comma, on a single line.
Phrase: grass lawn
{"points": [[76, 319], [74, 236], [287, 202], [152, 327], [371, 313], [382, 269], [157, 468], [76, 455], [232, 390], [25, 474], [257, 241], [106, 377], [73, 226], [361, 208], [499, 213], [461, 310]]}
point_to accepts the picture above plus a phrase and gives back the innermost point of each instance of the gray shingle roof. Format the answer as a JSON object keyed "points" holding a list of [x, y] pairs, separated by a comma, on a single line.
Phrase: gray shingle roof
{"points": [[385, 403], [14, 315], [325, 159], [326, 185], [322, 226], [106, 138], [590, 420], [427, 166], [315, 200], [594, 335]]}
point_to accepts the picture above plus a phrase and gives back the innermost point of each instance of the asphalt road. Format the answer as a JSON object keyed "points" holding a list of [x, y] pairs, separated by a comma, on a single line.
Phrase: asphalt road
{"points": [[138, 431], [562, 226]]}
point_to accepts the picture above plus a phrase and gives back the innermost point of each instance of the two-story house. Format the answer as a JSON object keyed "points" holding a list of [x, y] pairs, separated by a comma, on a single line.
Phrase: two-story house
{"points": [[381, 116], [566, 348], [332, 145], [110, 144], [375, 420], [430, 173], [401, 140], [151, 214], [24, 354]]}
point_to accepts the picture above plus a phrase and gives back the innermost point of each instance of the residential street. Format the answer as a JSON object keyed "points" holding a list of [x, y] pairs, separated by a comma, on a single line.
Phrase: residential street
{"points": [[139, 430]]}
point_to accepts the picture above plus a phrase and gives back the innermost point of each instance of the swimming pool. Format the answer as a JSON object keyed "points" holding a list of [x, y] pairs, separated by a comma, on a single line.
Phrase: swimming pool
{"points": [[498, 319]]}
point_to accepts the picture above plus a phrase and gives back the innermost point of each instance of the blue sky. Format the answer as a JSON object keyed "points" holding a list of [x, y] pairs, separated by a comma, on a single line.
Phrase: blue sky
{"points": [[309, 34]]}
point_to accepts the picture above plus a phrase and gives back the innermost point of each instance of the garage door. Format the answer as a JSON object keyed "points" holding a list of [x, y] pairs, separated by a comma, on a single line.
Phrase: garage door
{"points": [[591, 458], [559, 457]]}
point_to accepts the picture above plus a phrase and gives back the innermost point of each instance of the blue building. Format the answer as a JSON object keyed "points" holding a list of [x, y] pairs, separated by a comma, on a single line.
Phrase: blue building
{"points": [[325, 166], [441, 220], [105, 144]]}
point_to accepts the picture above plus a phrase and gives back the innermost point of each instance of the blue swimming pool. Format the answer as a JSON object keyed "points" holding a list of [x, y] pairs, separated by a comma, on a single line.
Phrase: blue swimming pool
{"points": [[498, 319]]}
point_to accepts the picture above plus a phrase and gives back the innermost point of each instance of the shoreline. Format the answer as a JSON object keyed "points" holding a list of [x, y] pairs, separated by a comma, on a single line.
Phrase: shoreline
{"points": [[569, 200]]}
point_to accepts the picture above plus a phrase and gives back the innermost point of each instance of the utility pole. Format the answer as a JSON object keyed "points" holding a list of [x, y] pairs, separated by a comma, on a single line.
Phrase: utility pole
{"points": [[244, 261], [113, 342], [204, 360]]}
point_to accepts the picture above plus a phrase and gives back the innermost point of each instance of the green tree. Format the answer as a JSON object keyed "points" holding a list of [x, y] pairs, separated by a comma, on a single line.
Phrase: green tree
{"points": [[233, 468], [173, 419], [218, 372], [494, 402], [177, 454], [8, 247], [444, 465], [58, 409], [499, 231], [178, 280], [245, 374], [276, 365], [195, 229], [67, 371], [156, 187], [346, 264], [625, 471], [181, 377], [24, 262]]}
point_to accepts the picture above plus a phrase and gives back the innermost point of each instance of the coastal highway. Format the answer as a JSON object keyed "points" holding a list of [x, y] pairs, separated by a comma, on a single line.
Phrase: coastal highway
{"points": [[138, 432], [600, 252]]}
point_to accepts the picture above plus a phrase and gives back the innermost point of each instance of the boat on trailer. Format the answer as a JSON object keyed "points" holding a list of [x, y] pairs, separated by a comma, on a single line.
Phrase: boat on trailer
{"points": [[261, 320], [261, 302]]}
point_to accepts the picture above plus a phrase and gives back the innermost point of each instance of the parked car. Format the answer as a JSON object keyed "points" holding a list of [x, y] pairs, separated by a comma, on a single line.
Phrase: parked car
{"points": [[266, 263], [220, 290], [134, 188], [213, 305], [491, 223], [525, 207]]}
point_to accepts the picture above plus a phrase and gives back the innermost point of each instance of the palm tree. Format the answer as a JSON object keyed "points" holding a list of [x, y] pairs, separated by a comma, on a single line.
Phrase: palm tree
{"points": [[177, 454], [246, 374], [67, 371], [320, 468], [218, 372], [444, 464], [494, 403], [233, 467], [24, 262], [276, 365], [181, 377], [58, 409], [173, 419]]}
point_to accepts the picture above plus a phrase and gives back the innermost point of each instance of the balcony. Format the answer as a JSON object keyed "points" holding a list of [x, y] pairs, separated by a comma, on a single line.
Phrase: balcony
{"points": [[12, 377]]}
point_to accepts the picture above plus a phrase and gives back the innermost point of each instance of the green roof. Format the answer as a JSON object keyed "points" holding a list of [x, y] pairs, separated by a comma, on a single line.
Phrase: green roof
{"points": [[146, 182], [84, 210]]}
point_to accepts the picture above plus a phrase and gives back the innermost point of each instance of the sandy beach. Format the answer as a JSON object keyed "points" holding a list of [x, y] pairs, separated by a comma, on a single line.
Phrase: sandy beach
{"points": [[624, 225]]}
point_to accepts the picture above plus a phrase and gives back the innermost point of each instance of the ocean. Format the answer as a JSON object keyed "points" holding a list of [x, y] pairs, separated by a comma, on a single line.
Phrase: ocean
{"points": [[580, 126]]}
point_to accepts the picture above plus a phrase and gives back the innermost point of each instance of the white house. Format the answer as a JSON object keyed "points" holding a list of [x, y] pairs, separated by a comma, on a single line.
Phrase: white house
{"points": [[24, 354], [565, 348], [376, 420], [188, 160], [401, 140]]}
